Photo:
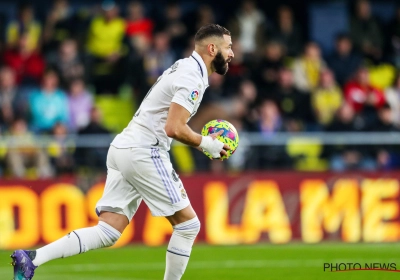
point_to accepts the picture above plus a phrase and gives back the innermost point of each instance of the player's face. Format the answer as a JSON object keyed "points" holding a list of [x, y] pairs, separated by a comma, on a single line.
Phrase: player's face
{"points": [[224, 56]]}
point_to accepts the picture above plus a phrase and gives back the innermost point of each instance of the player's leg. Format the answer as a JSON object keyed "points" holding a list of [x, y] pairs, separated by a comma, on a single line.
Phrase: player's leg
{"points": [[163, 192], [104, 234], [186, 227], [116, 208]]}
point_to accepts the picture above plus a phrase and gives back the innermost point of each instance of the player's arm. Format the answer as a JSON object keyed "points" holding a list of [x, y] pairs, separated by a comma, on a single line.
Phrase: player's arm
{"points": [[176, 127]]}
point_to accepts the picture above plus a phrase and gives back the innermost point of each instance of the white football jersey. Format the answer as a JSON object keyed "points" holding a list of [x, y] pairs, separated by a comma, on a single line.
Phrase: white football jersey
{"points": [[183, 83]]}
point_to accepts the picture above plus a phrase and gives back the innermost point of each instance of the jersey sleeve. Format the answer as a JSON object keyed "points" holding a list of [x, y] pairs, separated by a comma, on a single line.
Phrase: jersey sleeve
{"points": [[187, 88]]}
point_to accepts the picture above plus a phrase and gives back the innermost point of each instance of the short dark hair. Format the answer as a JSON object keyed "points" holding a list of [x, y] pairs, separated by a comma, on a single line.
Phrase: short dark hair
{"points": [[24, 6], [210, 30], [343, 36]]}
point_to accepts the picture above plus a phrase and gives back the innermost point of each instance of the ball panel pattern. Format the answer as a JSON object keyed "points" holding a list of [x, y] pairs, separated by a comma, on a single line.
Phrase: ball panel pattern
{"points": [[229, 136]]}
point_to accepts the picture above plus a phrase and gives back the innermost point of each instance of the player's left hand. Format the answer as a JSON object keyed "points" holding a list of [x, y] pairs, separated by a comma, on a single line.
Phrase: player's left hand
{"points": [[224, 153]]}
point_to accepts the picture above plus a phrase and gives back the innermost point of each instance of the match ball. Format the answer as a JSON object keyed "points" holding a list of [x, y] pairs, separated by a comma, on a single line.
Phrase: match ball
{"points": [[229, 136]]}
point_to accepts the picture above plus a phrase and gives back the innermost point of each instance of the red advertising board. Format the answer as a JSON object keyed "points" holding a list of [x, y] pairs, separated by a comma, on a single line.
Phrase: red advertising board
{"points": [[277, 207]]}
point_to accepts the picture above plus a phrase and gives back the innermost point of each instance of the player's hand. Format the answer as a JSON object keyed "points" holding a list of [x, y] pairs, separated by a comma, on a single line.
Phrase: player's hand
{"points": [[212, 145], [225, 148], [223, 152]]}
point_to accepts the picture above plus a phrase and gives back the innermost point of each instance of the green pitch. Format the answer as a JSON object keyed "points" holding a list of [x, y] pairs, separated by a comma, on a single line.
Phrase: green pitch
{"points": [[258, 262]]}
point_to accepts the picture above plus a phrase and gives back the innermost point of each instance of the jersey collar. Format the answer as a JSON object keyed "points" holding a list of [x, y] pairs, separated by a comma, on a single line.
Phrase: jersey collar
{"points": [[202, 66]]}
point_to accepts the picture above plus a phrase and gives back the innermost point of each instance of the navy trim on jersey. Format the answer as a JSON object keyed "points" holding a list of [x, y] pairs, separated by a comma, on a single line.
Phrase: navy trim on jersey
{"points": [[80, 245], [201, 69], [178, 254]]}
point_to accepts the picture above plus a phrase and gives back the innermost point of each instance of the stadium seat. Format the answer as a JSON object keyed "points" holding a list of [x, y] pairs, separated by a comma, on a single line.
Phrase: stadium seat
{"points": [[117, 111], [306, 153]]}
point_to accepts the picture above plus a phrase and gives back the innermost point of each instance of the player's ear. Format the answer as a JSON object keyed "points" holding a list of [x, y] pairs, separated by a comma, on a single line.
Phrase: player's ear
{"points": [[212, 49]]}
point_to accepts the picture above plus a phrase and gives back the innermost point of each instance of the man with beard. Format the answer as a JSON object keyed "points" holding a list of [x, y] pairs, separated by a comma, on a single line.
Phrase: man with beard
{"points": [[139, 167]]}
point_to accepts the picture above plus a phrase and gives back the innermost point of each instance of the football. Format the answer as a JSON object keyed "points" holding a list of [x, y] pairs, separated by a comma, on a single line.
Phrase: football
{"points": [[229, 136]]}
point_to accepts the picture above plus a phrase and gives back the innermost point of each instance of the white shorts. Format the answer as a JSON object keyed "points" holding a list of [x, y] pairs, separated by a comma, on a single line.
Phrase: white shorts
{"points": [[134, 174]]}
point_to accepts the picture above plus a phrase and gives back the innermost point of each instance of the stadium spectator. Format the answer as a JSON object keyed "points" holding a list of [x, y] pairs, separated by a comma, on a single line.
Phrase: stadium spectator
{"points": [[347, 157], [27, 63], [136, 74], [239, 69], [268, 122], [106, 33], [365, 31], [48, 104], [59, 25], [248, 92], [242, 106], [269, 66], [294, 105], [61, 150], [67, 63], [346, 120], [173, 25], [25, 25], [386, 155], [344, 61], [80, 103], [139, 33], [104, 64], [387, 160], [215, 91], [95, 124], [94, 157], [248, 25], [24, 153], [392, 96], [13, 105], [159, 57], [327, 98], [307, 68], [137, 23], [288, 32], [205, 15], [359, 92], [105, 45], [384, 121], [394, 38]]}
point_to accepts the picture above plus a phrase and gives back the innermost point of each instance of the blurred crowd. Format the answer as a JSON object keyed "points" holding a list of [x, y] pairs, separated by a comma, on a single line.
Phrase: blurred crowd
{"points": [[53, 70]]}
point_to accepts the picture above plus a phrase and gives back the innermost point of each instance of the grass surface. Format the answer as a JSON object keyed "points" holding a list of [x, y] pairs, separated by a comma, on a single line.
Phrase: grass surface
{"points": [[293, 261]]}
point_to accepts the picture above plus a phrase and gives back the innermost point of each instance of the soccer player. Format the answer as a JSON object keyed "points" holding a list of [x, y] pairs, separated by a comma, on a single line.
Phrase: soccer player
{"points": [[139, 167]]}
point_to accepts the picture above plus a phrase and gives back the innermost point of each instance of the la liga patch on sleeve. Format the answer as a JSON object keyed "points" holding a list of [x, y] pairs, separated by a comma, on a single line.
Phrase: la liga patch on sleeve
{"points": [[193, 96]]}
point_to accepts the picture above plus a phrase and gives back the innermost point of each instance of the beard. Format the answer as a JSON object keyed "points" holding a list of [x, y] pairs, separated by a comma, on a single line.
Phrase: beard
{"points": [[220, 64]]}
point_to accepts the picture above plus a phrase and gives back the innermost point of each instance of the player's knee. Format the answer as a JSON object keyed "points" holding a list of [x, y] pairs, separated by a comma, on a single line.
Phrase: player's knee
{"points": [[110, 241], [188, 229], [109, 234]]}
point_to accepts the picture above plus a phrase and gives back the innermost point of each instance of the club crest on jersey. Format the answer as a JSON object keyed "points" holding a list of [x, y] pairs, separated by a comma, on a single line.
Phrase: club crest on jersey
{"points": [[183, 194], [194, 95]]}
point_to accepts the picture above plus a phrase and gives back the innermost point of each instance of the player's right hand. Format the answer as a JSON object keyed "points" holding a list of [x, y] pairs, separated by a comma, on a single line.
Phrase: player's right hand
{"points": [[213, 146]]}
